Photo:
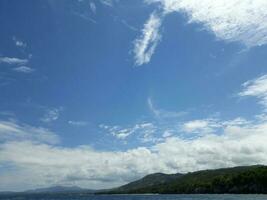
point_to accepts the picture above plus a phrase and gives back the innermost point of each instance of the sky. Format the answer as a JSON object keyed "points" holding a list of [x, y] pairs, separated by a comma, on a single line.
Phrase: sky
{"points": [[98, 93]]}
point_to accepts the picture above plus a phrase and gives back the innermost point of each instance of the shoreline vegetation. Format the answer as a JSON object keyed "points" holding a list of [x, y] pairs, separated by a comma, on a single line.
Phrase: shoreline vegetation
{"points": [[236, 180]]}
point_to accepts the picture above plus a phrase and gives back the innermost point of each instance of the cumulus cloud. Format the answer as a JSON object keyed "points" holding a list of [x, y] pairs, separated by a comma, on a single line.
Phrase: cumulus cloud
{"points": [[13, 61], [145, 46], [237, 146], [88, 167], [80, 165], [33, 153], [24, 69]]}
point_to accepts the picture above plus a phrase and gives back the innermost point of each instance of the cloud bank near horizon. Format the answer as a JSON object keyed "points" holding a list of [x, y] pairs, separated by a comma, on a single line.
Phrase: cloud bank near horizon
{"points": [[35, 154]]}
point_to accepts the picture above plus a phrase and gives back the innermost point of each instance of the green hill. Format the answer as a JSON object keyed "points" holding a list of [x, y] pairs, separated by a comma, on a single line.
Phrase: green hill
{"points": [[241, 180], [149, 181]]}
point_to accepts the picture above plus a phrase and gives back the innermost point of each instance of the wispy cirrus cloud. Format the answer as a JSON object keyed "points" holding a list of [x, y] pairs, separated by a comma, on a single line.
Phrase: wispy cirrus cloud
{"points": [[256, 88], [78, 123], [108, 2], [146, 44], [163, 114], [13, 61], [7, 113], [84, 16], [15, 131], [24, 69]]}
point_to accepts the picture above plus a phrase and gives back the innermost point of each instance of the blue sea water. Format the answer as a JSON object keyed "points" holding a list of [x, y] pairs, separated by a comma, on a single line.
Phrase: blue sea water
{"points": [[133, 197]]}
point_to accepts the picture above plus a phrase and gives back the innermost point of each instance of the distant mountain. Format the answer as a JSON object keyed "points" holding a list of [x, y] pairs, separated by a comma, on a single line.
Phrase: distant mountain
{"points": [[251, 179], [59, 189]]}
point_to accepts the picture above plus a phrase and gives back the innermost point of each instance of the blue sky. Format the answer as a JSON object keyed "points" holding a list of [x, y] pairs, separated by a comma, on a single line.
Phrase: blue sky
{"points": [[97, 93]]}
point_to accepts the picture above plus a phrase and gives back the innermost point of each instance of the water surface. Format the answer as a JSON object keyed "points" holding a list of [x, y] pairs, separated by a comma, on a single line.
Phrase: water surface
{"points": [[132, 197]]}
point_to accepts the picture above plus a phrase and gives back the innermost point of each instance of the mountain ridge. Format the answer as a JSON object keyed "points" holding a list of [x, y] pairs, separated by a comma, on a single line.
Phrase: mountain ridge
{"points": [[237, 180]]}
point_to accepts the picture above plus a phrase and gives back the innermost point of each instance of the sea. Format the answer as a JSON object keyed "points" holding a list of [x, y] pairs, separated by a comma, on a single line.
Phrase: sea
{"points": [[132, 197]]}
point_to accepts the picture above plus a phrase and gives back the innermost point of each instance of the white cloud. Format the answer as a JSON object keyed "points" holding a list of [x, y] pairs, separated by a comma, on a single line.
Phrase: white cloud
{"points": [[129, 26], [144, 131], [253, 88], [212, 125], [24, 69], [103, 126], [46, 164], [161, 113], [256, 88], [51, 114], [239, 121], [243, 21], [167, 134], [93, 7], [13, 61], [200, 126], [84, 16], [78, 123], [108, 2], [232, 21], [152, 108], [34, 159], [237, 146], [10, 130], [7, 113], [145, 46], [19, 43], [123, 134], [164, 125], [81, 165]]}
